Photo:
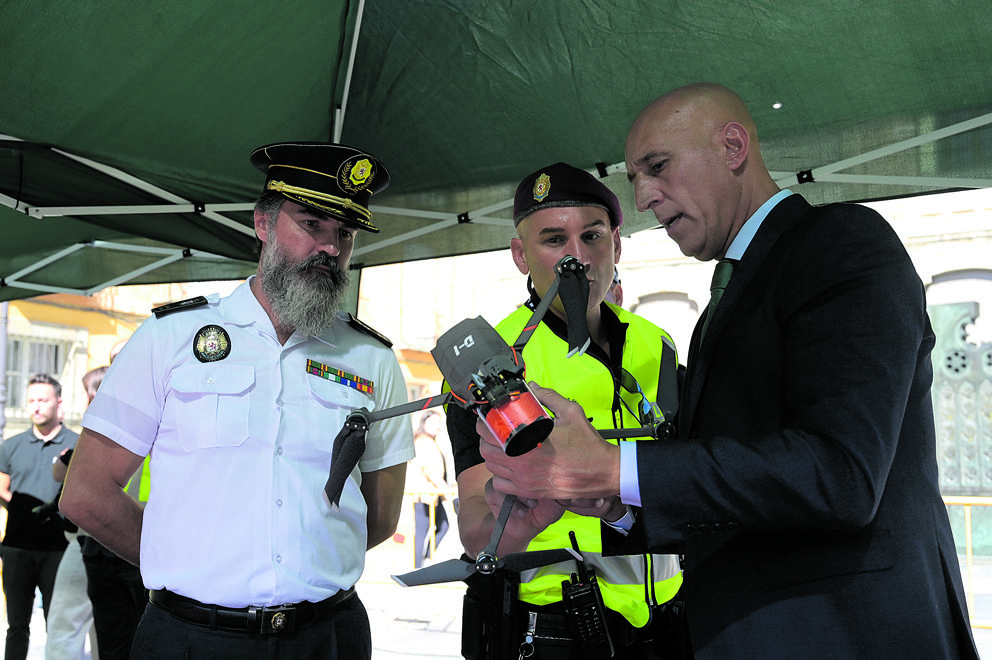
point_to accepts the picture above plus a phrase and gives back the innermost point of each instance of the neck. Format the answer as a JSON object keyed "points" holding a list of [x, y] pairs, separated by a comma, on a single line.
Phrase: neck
{"points": [[48, 431], [283, 332], [594, 319]]}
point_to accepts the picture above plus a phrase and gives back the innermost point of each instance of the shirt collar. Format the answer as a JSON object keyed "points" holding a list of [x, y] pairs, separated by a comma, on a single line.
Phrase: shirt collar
{"points": [[743, 239], [56, 439], [244, 308]]}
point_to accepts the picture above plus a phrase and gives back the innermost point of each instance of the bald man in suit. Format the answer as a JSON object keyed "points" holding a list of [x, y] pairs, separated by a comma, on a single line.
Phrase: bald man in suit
{"points": [[803, 487]]}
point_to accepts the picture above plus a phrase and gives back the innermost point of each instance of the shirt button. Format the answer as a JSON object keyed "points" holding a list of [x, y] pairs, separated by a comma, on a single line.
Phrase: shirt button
{"points": [[278, 502], [210, 381], [279, 450], [278, 559]]}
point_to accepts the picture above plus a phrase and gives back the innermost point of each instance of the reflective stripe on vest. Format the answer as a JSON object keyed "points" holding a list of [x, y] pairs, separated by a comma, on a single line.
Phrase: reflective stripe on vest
{"points": [[630, 584]]}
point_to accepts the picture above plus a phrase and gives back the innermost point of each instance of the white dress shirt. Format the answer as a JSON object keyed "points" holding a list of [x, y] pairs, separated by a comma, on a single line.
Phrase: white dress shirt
{"points": [[240, 450]]}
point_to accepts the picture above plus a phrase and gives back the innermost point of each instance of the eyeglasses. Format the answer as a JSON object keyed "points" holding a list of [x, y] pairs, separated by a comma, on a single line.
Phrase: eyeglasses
{"points": [[648, 412]]}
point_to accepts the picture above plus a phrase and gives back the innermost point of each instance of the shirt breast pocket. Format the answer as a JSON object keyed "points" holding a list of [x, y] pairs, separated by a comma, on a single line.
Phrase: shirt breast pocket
{"points": [[211, 403], [334, 402]]}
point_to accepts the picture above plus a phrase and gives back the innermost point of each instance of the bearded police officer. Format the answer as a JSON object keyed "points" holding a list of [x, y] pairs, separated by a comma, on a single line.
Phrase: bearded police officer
{"points": [[238, 401], [562, 211]]}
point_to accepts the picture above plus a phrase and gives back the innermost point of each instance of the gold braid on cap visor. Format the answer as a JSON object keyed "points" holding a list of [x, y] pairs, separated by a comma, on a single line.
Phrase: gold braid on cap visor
{"points": [[343, 202]]}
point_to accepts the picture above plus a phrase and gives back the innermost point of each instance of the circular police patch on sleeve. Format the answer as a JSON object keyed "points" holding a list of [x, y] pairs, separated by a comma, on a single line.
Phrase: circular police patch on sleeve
{"points": [[211, 343]]}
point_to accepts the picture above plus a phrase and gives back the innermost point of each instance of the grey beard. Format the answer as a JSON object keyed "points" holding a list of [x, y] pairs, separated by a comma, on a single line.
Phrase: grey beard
{"points": [[301, 296]]}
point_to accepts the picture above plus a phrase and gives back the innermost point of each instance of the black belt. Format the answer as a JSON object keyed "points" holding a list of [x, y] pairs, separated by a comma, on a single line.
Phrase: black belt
{"points": [[254, 619]]}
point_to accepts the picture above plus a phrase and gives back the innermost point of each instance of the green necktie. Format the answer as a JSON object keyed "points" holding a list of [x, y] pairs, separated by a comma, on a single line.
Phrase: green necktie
{"points": [[721, 276]]}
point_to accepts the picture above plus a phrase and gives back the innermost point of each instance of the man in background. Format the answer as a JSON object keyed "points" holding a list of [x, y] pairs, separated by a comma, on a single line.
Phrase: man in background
{"points": [[70, 619], [33, 545], [113, 586]]}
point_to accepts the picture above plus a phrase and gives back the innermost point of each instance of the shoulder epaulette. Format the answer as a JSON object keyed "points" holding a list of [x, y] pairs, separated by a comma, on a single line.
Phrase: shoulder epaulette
{"points": [[179, 306], [369, 330]]}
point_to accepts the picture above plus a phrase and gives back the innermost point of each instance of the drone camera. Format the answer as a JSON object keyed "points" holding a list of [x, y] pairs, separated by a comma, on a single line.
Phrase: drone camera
{"points": [[477, 362]]}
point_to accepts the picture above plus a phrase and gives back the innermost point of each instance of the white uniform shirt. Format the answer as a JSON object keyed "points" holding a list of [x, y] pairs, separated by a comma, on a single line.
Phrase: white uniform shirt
{"points": [[240, 451]]}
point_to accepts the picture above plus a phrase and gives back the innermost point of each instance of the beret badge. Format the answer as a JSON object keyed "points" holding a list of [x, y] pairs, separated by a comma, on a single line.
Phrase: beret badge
{"points": [[542, 187]]}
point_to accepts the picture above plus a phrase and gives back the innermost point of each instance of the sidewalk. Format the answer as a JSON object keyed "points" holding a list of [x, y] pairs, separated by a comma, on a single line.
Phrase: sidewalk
{"points": [[412, 622], [425, 622], [417, 622]]}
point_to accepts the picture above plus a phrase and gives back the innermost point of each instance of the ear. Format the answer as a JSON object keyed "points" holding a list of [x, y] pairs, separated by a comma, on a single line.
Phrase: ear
{"points": [[517, 250], [261, 226], [736, 144], [616, 245]]}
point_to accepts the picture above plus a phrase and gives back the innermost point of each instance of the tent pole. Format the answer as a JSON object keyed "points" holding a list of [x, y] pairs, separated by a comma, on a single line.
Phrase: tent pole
{"points": [[340, 110], [3, 366], [896, 147]]}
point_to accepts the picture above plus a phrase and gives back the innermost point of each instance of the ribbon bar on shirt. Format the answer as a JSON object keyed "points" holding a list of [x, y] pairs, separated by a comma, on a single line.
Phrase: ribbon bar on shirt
{"points": [[315, 368]]}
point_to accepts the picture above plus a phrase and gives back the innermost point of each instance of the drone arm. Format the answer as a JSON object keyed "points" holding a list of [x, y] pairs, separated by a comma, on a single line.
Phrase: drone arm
{"points": [[535, 318], [618, 434], [413, 406]]}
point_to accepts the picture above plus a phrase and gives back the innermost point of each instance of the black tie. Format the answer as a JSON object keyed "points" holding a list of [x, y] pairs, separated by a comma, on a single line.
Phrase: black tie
{"points": [[721, 276]]}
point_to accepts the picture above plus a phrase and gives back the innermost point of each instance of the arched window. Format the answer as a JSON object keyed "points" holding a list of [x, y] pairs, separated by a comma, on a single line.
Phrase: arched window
{"points": [[960, 307], [674, 312]]}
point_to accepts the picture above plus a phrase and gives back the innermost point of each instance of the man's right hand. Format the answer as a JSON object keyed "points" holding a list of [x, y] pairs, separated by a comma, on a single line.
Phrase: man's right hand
{"points": [[574, 462]]}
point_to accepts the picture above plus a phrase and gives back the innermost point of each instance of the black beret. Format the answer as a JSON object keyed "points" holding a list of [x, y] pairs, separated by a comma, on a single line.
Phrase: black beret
{"points": [[332, 178], [563, 185]]}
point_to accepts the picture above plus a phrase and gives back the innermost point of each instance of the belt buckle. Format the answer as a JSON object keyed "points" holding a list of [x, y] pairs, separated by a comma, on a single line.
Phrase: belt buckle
{"points": [[273, 620]]}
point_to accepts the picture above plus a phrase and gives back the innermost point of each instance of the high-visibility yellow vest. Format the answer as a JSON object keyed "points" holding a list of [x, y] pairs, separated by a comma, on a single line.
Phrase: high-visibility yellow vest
{"points": [[630, 584]]}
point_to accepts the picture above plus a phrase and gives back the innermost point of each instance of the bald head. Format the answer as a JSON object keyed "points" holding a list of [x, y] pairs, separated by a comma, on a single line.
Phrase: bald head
{"points": [[693, 158], [700, 109]]}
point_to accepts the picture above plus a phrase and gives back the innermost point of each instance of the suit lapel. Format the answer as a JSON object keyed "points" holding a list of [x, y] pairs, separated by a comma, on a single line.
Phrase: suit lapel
{"points": [[785, 214]]}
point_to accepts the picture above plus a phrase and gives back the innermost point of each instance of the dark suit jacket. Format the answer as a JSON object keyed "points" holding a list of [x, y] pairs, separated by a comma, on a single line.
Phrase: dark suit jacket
{"points": [[803, 489]]}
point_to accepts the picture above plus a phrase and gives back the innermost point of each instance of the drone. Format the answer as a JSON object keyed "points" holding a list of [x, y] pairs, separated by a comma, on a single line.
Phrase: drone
{"points": [[486, 375]]}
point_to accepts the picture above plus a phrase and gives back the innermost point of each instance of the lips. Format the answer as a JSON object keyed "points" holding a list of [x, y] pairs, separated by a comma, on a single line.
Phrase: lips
{"points": [[667, 224]]}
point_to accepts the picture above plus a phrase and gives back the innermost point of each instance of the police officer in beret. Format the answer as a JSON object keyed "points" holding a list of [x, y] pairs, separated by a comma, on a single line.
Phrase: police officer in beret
{"points": [[238, 400], [560, 210]]}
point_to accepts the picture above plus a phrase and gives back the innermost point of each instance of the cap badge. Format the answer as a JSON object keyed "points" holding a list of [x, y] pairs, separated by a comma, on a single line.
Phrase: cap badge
{"points": [[356, 174], [315, 368], [542, 187], [212, 343]]}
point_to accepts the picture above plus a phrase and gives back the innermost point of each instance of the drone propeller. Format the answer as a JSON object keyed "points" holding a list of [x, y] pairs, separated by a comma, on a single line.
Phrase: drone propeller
{"points": [[487, 563], [450, 570], [453, 570]]}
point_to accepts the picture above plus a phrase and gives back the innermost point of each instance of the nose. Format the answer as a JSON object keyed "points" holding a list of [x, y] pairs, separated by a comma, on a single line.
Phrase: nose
{"points": [[576, 248], [646, 196], [329, 244]]}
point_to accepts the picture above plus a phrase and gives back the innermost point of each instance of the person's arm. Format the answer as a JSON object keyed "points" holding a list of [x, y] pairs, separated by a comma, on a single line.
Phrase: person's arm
{"points": [[802, 428], [61, 466], [478, 505], [5, 493], [383, 493], [93, 496], [475, 519]]}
